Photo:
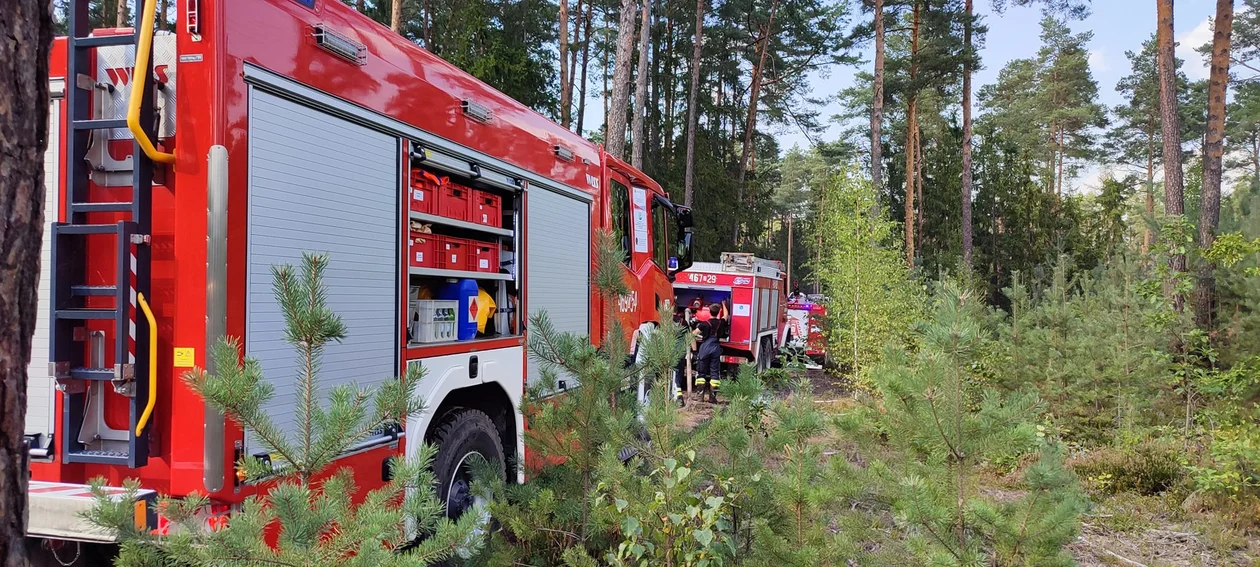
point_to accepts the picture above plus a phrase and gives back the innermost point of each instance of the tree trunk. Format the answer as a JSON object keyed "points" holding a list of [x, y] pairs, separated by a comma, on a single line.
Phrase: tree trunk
{"points": [[754, 94], [361, 6], [615, 136], [164, 22], [689, 179], [1171, 127], [586, 56], [966, 141], [24, 121], [606, 93], [652, 120], [566, 88], [1213, 149], [396, 16], [120, 14], [912, 116], [1147, 237], [918, 187], [750, 124], [877, 108], [1255, 157], [1058, 176], [637, 129], [670, 119]]}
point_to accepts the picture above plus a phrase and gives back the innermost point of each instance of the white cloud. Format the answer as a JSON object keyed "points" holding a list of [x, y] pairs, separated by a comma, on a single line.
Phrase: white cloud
{"points": [[1098, 62], [1196, 67]]}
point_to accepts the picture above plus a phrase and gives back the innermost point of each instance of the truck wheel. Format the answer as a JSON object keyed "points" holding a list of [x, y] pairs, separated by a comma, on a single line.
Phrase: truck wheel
{"points": [[765, 354], [461, 436]]}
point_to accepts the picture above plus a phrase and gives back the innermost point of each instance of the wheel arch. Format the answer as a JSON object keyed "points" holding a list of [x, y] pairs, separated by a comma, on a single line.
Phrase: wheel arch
{"points": [[492, 400]]}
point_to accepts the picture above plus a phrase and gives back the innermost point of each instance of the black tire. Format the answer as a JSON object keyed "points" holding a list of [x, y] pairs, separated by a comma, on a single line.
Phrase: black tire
{"points": [[765, 354], [462, 434]]}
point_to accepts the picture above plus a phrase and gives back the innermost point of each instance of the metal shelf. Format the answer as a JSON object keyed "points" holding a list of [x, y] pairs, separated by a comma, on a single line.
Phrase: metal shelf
{"points": [[425, 217], [458, 274]]}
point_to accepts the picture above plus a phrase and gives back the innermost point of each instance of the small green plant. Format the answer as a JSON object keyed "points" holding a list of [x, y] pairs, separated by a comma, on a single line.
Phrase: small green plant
{"points": [[309, 507]]}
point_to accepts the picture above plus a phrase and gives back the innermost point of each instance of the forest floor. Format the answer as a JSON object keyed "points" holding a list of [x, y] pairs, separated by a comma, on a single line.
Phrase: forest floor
{"points": [[1120, 531]]}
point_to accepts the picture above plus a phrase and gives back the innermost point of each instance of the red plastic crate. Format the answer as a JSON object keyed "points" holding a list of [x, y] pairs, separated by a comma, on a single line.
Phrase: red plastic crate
{"points": [[485, 257], [424, 191], [423, 252], [487, 209], [454, 201], [455, 254]]}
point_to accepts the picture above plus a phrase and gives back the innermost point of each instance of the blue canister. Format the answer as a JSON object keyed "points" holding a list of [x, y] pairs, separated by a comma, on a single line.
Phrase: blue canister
{"points": [[465, 292]]}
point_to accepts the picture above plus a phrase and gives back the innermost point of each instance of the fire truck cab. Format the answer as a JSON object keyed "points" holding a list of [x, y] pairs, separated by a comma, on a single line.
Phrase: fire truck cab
{"points": [[183, 164], [752, 291]]}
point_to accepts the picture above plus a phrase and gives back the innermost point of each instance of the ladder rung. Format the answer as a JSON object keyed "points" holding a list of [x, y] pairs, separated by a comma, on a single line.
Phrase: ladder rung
{"points": [[87, 229], [92, 373], [105, 40], [93, 290], [115, 207], [100, 124], [86, 314]]}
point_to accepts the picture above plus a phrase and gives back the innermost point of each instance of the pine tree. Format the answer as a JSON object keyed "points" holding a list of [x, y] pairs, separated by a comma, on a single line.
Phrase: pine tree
{"points": [[945, 423], [309, 505]]}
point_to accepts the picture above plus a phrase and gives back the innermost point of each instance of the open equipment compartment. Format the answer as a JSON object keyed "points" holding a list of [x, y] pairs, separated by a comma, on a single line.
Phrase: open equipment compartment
{"points": [[460, 227]]}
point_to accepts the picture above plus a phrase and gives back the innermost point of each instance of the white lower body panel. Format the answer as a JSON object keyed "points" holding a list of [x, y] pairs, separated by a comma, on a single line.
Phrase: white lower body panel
{"points": [[504, 367]]}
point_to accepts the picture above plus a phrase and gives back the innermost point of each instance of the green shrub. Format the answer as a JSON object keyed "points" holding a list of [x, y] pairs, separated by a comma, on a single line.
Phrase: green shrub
{"points": [[1151, 467]]}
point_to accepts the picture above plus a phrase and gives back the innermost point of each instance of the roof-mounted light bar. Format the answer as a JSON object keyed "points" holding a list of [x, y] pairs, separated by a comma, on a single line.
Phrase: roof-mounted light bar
{"points": [[340, 45], [476, 111]]}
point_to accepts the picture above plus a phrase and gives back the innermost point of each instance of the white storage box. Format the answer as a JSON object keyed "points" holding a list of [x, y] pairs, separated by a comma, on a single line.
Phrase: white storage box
{"points": [[433, 320]]}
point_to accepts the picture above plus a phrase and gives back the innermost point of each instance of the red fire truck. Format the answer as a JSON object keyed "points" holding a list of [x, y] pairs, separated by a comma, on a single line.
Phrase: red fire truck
{"points": [[804, 319], [255, 131], [752, 291]]}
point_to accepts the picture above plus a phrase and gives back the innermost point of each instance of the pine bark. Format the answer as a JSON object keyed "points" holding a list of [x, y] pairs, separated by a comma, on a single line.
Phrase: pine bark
{"points": [[877, 106], [754, 95], [615, 134], [163, 22], [966, 138], [750, 123], [27, 24], [1148, 238], [586, 58], [120, 14], [1213, 150], [396, 16], [1171, 127], [689, 178], [912, 117], [566, 93], [637, 127]]}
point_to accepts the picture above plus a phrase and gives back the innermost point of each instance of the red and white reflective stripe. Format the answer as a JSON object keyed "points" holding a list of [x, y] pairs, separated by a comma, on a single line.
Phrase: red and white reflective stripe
{"points": [[131, 314], [733, 359]]}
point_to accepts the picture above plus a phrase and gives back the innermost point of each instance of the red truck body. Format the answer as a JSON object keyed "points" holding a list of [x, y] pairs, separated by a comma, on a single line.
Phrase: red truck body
{"points": [[805, 331], [297, 125], [753, 293]]}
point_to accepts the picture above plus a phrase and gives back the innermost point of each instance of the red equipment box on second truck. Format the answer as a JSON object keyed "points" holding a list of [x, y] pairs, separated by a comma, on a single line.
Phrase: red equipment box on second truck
{"points": [[260, 129]]}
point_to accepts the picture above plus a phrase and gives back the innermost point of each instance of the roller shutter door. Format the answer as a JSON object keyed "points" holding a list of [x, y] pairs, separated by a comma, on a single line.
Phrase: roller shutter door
{"points": [[39, 389], [558, 263], [320, 184]]}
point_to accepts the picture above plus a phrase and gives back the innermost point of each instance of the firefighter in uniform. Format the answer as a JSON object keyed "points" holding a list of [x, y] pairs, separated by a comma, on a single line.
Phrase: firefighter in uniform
{"points": [[710, 353]]}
